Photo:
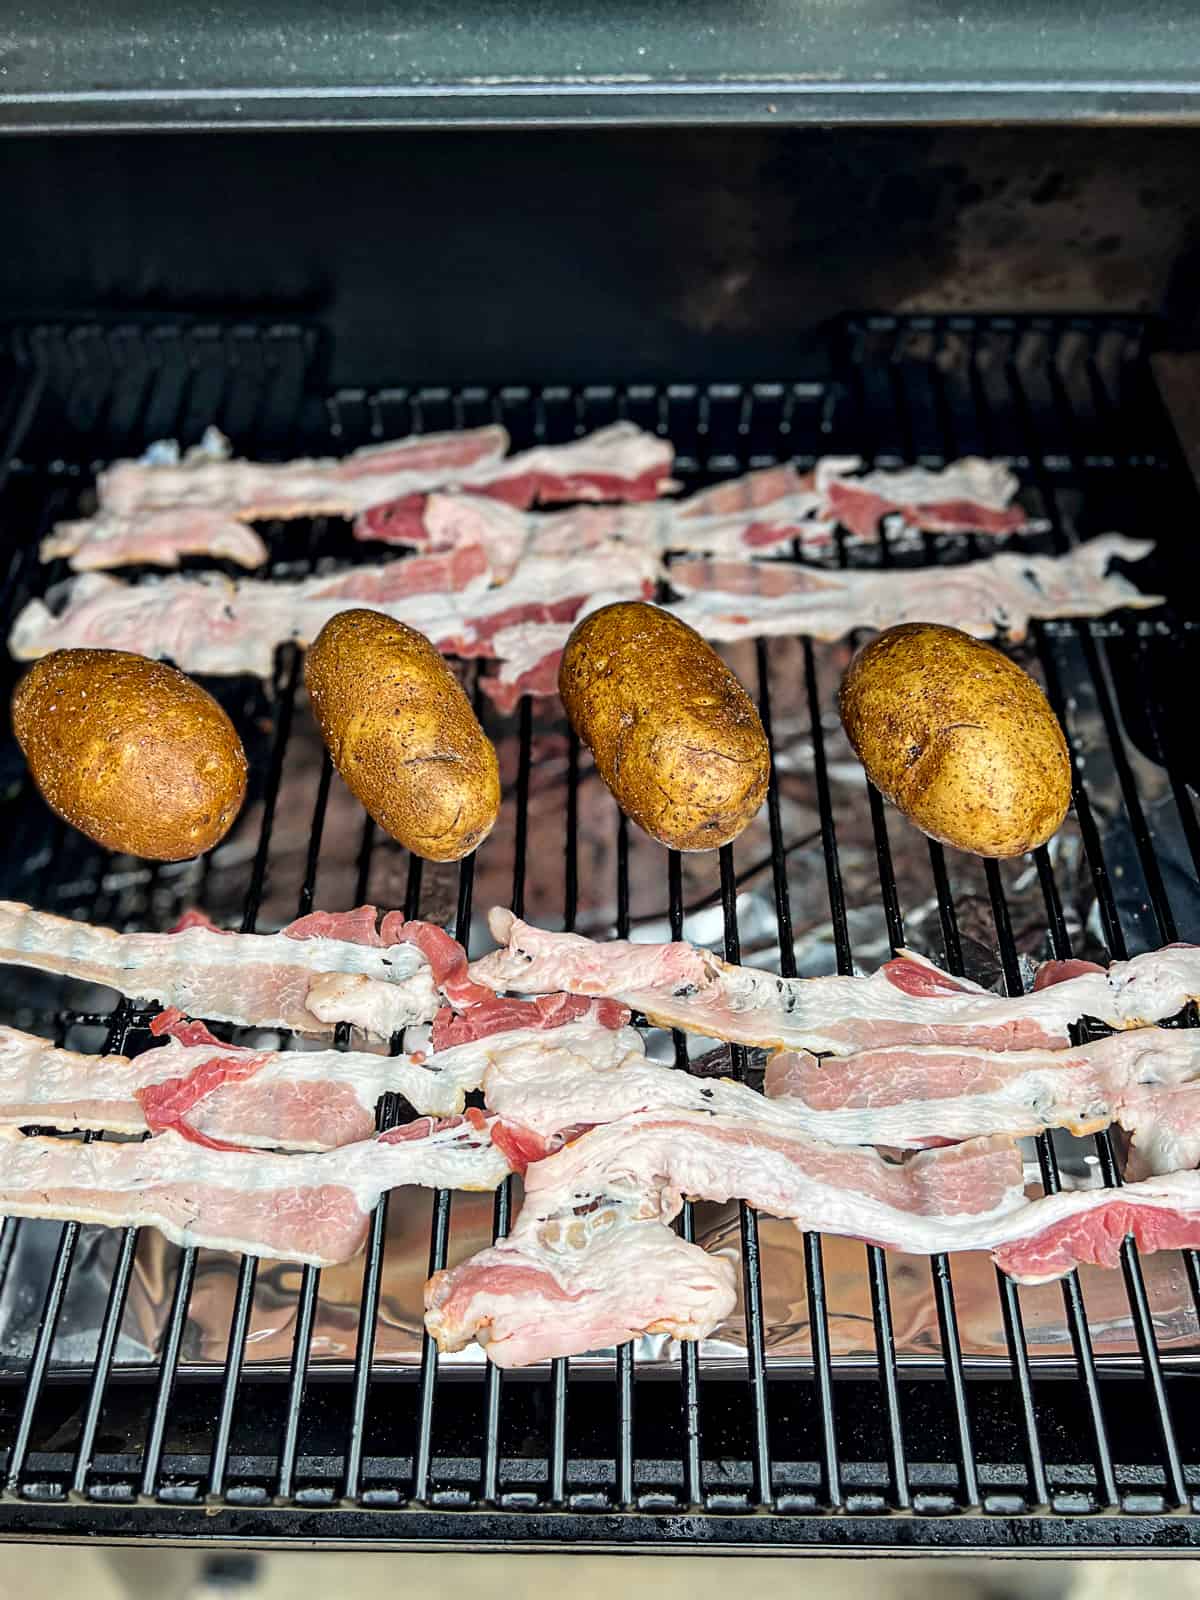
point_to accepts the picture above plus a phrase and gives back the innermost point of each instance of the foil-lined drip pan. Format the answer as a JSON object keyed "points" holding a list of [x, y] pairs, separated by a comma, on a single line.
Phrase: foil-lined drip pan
{"points": [[134, 897]]}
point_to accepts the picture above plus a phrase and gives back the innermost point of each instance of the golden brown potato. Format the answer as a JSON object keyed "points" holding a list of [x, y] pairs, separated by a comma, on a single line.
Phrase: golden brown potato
{"points": [[402, 734], [130, 752], [959, 738], [673, 733]]}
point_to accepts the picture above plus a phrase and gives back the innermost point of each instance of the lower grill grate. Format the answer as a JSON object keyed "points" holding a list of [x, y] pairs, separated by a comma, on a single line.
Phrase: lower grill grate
{"points": [[862, 1399]]}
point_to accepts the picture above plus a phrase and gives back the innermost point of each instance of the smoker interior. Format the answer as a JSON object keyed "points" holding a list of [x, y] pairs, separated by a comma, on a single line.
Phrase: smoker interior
{"points": [[862, 1400]]}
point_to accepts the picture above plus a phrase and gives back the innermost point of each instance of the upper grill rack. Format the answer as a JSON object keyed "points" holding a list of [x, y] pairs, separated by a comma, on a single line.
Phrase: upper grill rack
{"points": [[1010, 1459]]}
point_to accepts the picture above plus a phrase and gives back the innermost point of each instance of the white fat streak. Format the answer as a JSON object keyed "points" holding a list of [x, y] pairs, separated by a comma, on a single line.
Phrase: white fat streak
{"points": [[682, 986], [583, 1037], [191, 969], [34, 1172]]}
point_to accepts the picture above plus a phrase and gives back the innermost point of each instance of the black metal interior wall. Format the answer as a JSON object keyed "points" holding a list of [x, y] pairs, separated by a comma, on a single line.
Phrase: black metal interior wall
{"points": [[568, 256]]}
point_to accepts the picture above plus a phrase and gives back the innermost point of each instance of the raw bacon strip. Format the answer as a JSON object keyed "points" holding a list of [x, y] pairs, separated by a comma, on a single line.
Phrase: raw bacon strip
{"points": [[620, 462], [908, 1097], [1164, 1132], [205, 623], [440, 523], [444, 522], [1003, 593], [579, 1269], [779, 505], [577, 1283], [968, 496], [312, 1208], [749, 515], [730, 600], [908, 1001], [1088, 1227], [299, 978], [154, 511], [496, 1015], [273, 1099], [293, 1099], [904, 1098], [153, 538], [447, 961], [741, 517], [252, 491], [319, 1100]]}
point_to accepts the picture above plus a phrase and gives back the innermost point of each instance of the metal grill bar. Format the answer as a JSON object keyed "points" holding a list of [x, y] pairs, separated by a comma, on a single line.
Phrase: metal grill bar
{"points": [[560, 1367], [814, 1270], [1010, 1304], [924, 389], [184, 1274], [310, 1279], [51, 1308], [693, 1471], [939, 1267], [503, 1204], [751, 1258], [876, 1264], [625, 1364], [239, 1325]]}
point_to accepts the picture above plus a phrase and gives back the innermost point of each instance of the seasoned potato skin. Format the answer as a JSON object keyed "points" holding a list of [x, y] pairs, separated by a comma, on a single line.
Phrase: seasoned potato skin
{"points": [[130, 752], [402, 734], [673, 733], [959, 738]]}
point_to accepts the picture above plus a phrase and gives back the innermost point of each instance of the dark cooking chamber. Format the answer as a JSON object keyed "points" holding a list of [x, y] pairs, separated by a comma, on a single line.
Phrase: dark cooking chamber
{"points": [[861, 1399]]}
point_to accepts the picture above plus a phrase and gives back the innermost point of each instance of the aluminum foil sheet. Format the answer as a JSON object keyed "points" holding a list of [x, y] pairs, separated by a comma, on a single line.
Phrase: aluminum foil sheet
{"points": [[220, 885]]}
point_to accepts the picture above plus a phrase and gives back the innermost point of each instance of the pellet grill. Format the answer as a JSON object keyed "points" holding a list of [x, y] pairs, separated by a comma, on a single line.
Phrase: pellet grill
{"points": [[321, 228]]}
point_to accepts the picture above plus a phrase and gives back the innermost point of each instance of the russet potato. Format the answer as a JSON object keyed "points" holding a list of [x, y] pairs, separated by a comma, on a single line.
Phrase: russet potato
{"points": [[402, 734], [959, 738], [673, 733], [130, 752]]}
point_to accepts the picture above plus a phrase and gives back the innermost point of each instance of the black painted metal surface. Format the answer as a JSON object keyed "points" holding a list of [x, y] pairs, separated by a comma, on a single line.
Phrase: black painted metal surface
{"points": [[230, 64], [899, 1456]]}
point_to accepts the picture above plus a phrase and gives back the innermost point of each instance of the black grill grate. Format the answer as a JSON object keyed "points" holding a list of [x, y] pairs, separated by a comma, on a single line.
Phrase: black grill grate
{"points": [[1086, 1451]]}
